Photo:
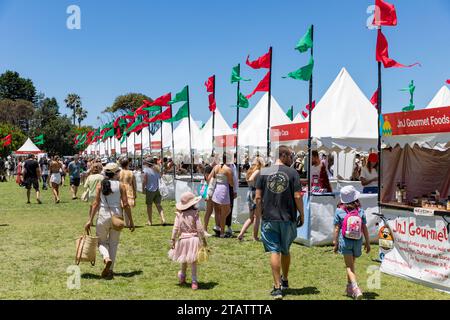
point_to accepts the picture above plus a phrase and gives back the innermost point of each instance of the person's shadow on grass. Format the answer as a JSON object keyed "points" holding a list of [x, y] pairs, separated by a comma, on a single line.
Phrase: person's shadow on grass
{"points": [[119, 274], [302, 291], [4, 225], [201, 285], [370, 295]]}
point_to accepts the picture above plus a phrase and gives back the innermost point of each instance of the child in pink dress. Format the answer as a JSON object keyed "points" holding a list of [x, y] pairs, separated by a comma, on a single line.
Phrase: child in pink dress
{"points": [[189, 231]]}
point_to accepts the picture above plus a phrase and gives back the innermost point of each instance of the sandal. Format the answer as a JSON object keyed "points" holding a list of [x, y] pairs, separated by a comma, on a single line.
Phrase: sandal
{"points": [[181, 278], [106, 271], [240, 238]]}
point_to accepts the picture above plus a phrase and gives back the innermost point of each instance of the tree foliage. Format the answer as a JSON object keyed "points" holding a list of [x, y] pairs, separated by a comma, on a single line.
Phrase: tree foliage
{"points": [[73, 102], [127, 102], [18, 113], [13, 87], [18, 138]]}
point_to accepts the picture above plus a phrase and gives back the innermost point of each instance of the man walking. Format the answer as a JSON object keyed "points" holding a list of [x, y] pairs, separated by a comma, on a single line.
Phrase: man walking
{"points": [[31, 175], [150, 185], [278, 198], [74, 174]]}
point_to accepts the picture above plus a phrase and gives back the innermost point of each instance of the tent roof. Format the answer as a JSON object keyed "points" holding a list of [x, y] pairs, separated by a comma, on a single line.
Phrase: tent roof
{"points": [[167, 135], [181, 136], [221, 128], [253, 129], [299, 118], [344, 113], [28, 147], [441, 99]]}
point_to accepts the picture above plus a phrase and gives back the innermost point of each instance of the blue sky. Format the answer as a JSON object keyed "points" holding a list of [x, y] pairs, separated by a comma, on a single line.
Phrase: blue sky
{"points": [[155, 47]]}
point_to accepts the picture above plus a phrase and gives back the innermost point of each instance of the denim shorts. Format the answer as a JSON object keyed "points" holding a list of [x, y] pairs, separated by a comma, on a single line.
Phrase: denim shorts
{"points": [[277, 236], [350, 247]]}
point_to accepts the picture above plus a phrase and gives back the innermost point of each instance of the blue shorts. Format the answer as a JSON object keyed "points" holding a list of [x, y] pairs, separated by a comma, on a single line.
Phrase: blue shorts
{"points": [[277, 236], [350, 247], [370, 190]]}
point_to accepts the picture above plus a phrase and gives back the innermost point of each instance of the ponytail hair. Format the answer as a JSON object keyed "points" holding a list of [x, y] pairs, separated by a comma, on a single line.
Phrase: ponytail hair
{"points": [[106, 183]]}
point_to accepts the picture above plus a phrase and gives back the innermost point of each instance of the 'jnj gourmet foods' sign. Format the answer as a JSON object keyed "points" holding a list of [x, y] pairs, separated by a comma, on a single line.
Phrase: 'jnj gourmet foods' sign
{"points": [[416, 122], [289, 132]]}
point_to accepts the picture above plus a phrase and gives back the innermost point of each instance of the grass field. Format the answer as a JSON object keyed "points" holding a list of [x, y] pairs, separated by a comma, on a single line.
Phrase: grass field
{"points": [[38, 245]]}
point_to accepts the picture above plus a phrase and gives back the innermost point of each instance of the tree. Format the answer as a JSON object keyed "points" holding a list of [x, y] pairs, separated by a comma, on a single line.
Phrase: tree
{"points": [[18, 113], [18, 138], [13, 87], [81, 115], [128, 102], [73, 102]]}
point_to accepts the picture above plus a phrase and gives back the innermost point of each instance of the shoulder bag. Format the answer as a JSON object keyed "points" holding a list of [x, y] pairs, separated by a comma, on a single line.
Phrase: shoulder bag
{"points": [[118, 222]]}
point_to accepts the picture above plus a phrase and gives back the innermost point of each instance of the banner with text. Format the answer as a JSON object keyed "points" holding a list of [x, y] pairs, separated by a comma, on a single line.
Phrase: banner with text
{"points": [[289, 132]]}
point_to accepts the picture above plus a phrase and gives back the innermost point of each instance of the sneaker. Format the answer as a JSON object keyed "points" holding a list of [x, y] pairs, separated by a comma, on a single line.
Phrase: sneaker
{"points": [[229, 232], [39, 201], [284, 283], [181, 278], [357, 294], [276, 293], [194, 285], [349, 290]]}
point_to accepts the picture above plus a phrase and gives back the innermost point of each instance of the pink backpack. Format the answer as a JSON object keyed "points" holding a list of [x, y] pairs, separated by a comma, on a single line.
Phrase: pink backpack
{"points": [[352, 225]]}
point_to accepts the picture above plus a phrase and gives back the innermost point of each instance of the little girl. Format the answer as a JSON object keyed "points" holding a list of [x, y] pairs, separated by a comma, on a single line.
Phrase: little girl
{"points": [[350, 225], [189, 230]]}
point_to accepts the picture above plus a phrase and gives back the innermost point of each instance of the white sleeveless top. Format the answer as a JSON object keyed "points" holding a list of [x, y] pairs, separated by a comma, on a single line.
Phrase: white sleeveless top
{"points": [[112, 202]]}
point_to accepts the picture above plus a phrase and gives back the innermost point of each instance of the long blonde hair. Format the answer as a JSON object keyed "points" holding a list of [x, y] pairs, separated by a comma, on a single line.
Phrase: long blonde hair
{"points": [[257, 164]]}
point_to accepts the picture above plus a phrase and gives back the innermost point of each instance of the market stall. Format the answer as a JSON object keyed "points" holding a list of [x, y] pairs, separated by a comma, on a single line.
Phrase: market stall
{"points": [[415, 196]]}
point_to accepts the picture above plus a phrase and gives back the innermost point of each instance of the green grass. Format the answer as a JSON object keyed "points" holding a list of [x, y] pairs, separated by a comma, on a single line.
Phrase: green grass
{"points": [[38, 245]]}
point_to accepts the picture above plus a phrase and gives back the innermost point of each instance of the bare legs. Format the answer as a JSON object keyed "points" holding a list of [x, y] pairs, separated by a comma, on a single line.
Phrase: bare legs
{"points": [[278, 263], [350, 268], [221, 213], [208, 213], [254, 218], [55, 190], [150, 213]]}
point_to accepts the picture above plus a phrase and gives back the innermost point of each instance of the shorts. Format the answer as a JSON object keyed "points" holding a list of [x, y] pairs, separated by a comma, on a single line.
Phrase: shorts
{"points": [[152, 197], [277, 236], [55, 178], [350, 247], [32, 182], [251, 193], [370, 190], [75, 181]]}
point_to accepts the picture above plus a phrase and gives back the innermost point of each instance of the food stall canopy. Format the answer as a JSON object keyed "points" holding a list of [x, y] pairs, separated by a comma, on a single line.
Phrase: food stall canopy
{"points": [[441, 99], [221, 128], [253, 129], [167, 135], [28, 148], [181, 136], [344, 118]]}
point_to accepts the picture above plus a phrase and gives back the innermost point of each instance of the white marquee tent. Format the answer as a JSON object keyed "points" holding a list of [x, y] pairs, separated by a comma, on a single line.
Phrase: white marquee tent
{"points": [[28, 148], [221, 128], [181, 136], [441, 99]]}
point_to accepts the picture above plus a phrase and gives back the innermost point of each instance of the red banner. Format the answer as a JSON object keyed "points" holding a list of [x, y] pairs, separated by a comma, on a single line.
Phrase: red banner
{"points": [[225, 141], [156, 144], [138, 146], [123, 150], [289, 132], [416, 122]]}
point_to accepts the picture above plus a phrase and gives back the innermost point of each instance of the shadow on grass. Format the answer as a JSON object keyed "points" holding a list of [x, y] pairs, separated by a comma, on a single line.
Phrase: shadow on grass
{"points": [[201, 285], [302, 291], [370, 295], [120, 274], [161, 225], [4, 225]]}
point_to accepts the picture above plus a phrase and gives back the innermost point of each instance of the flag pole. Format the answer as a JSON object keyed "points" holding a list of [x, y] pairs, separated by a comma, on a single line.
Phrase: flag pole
{"points": [[379, 133], [214, 117], [162, 151], [268, 106], [309, 120], [237, 123], [142, 146], [134, 148], [173, 145], [190, 138]]}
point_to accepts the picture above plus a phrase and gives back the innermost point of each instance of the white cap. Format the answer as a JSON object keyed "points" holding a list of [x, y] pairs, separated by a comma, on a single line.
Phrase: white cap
{"points": [[349, 194]]}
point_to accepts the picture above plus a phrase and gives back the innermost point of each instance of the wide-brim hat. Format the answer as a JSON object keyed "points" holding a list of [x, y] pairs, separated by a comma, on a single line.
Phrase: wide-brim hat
{"points": [[349, 194], [187, 200], [112, 167]]}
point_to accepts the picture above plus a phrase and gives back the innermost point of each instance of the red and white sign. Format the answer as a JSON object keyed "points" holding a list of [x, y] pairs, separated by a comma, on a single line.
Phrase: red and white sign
{"points": [[225, 141], [156, 144], [421, 250], [289, 132], [138, 146], [436, 120], [123, 150]]}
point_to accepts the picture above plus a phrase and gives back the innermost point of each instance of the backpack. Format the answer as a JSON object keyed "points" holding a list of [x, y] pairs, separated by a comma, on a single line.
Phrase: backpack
{"points": [[352, 225]]}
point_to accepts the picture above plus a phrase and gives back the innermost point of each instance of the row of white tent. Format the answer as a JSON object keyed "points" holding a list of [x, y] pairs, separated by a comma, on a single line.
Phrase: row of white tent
{"points": [[343, 119]]}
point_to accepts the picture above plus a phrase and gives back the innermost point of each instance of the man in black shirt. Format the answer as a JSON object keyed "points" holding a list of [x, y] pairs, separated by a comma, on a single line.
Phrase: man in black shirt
{"points": [[31, 177], [278, 198]]}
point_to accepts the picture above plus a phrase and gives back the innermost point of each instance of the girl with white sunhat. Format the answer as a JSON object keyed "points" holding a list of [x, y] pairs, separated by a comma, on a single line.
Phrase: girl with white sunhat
{"points": [[350, 225]]}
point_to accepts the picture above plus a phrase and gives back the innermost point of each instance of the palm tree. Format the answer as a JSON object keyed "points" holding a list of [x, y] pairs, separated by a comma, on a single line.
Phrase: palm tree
{"points": [[73, 102], [81, 115]]}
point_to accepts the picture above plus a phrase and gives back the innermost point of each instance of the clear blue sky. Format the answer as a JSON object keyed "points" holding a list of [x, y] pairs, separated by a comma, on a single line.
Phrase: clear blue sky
{"points": [[155, 47]]}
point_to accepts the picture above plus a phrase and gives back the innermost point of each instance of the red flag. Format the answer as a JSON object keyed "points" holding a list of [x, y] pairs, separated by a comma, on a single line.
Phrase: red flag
{"points": [[235, 125], [374, 99], [140, 127], [162, 101], [448, 81], [140, 111], [210, 84], [313, 105], [304, 114], [212, 103], [385, 14], [165, 115], [261, 62], [263, 86], [7, 140], [89, 137], [382, 54]]}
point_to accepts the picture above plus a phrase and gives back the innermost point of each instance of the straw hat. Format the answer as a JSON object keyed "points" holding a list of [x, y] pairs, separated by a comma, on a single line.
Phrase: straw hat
{"points": [[187, 200], [112, 167]]}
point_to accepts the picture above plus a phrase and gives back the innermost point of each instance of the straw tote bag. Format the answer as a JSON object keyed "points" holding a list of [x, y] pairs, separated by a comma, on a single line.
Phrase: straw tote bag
{"points": [[86, 248]]}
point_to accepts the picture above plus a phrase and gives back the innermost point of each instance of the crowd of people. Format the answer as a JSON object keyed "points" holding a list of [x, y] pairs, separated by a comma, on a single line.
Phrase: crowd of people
{"points": [[274, 199]]}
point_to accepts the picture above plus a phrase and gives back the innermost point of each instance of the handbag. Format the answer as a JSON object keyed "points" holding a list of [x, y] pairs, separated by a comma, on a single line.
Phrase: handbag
{"points": [[203, 254], [118, 222], [163, 189], [212, 186], [86, 246], [85, 196]]}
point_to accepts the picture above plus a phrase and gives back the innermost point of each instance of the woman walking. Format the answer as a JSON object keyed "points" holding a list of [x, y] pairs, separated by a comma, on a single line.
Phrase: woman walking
{"points": [[221, 197], [251, 176], [92, 182], [129, 181], [55, 177], [111, 199]]}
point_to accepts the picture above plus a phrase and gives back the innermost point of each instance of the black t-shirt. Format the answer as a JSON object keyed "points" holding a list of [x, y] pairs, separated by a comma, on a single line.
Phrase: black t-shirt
{"points": [[31, 167], [278, 184]]}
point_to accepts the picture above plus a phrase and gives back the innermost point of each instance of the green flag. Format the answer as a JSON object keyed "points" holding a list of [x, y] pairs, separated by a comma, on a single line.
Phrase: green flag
{"points": [[243, 101], [39, 140], [304, 73], [180, 96], [236, 75], [183, 112], [290, 114], [305, 42], [108, 134], [81, 140], [409, 108], [203, 125], [152, 109]]}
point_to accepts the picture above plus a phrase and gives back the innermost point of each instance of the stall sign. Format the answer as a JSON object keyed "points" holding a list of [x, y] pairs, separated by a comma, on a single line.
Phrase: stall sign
{"points": [[423, 212], [138, 146], [225, 141], [289, 132], [156, 144], [123, 150], [416, 122]]}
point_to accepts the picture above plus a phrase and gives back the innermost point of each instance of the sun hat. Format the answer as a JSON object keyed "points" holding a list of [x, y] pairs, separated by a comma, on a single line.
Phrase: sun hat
{"points": [[187, 200], [112, 167], [349, 194], [373, 157]]}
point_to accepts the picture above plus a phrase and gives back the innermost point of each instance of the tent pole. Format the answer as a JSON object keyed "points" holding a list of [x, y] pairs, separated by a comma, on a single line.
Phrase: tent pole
{"points": [[379, 133], [237, 124], [310, 116], [268, 106], [190, 138]]}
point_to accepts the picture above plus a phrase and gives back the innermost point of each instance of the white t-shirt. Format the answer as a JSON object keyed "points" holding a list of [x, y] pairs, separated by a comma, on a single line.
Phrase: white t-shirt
{"points": [[315, 174], [369, 176]]}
